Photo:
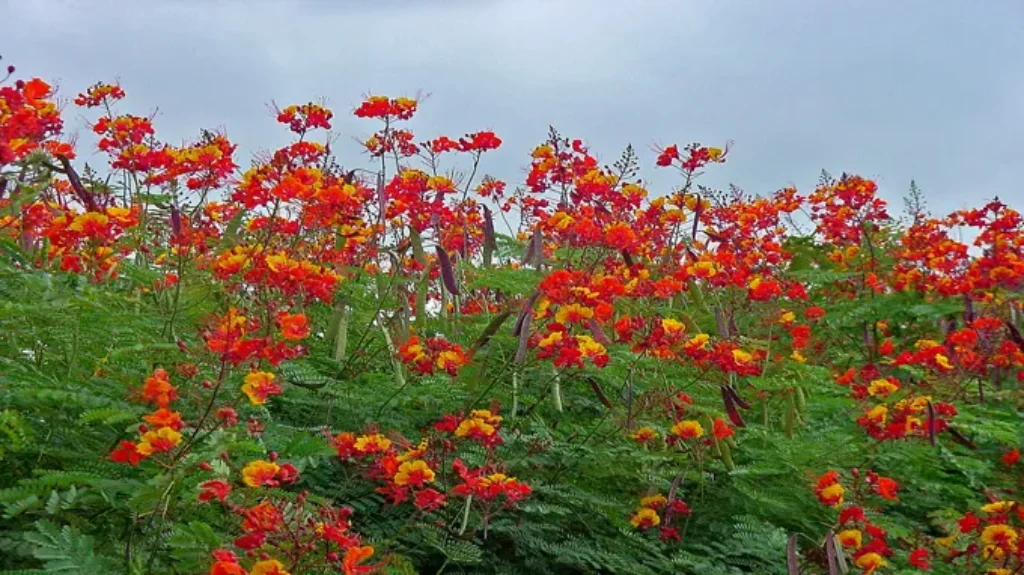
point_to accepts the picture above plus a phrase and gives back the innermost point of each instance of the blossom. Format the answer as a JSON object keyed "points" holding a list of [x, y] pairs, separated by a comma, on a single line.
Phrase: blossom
{"points": [[127, 452], [268, 567], [688, 429], [259, 473], [1011, 457], [828, 489], [720, 429], [656, 501], [259, 385], [644, 518], [366, 444], [163, 439], [293, 326], [644, 434], [414, 473], [353, 557], [852, 538], [214, 489], [870, 562], [919, 558]]}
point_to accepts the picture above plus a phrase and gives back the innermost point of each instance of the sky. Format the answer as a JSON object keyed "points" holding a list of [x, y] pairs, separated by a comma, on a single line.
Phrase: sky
{"points": [[930, 90]]}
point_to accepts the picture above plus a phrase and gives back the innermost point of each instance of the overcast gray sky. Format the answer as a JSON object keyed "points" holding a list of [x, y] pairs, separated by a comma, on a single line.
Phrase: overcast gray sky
{"points": [[926, 89]]}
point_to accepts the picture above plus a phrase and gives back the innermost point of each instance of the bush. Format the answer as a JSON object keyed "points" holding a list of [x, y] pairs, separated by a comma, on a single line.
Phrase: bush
{"points": [[299, 368]]}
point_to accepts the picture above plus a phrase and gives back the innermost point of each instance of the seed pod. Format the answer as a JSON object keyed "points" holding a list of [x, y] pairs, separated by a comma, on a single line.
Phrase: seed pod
{"points": [[627, 258], [730, 408], [524, 337], [721, 324], [599, 392], [527, 310], [534, 250], [831, 554], [447, 273], [490, 241], [931, 423], [959, 438], [599, 335], [789, 419], [176, 222], [696, 217], [968, 308], [801, 400], [490, 330], [736, 397], [792, 561], [726, 453], [417, 246], [1015, 336]]}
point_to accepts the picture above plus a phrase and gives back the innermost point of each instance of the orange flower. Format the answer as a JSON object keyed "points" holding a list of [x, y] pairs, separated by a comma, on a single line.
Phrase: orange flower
{"points": [[415, 473], [158, 389], [353, 557], [721, 429], [164, 417], [259, 385], [258, 473], [293, 326], [688, 429]]}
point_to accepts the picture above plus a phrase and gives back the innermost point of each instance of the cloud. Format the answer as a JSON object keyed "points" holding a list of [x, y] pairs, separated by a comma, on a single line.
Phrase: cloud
{"points": [[918, 89]]}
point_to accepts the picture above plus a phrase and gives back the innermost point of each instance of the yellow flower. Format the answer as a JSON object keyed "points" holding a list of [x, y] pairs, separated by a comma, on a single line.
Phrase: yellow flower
{"points": [[788, 317], [688, 429], [645, 517], [268, 567], [672, 325], [372, 443], [797, 356], [653, 501], [878, 414], [486, 415], [882, 387], [850, 538], [741, 357], [834, 493], [644, 434], [258, 472], [999, 534], [163, 439], [573, 312], [474, 426], [943, 361], [415, 472], [699, 341], [551, 339], [870, 562], [998, 506]]}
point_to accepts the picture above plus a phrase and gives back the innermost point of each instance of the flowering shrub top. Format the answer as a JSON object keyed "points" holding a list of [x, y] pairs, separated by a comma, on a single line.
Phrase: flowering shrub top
{"points": [[349, 370]]}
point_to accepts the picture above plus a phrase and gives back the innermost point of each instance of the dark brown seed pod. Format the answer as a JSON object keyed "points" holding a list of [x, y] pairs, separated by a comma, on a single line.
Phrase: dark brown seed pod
{"points": [[447, 272], [599, 392], [730, 408]]}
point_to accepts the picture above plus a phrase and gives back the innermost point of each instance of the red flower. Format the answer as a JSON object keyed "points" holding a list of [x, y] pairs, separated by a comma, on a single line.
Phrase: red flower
{"points": [[919, 558], [1010, 458], [215, 489], [126, 452], [429, 499]]}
